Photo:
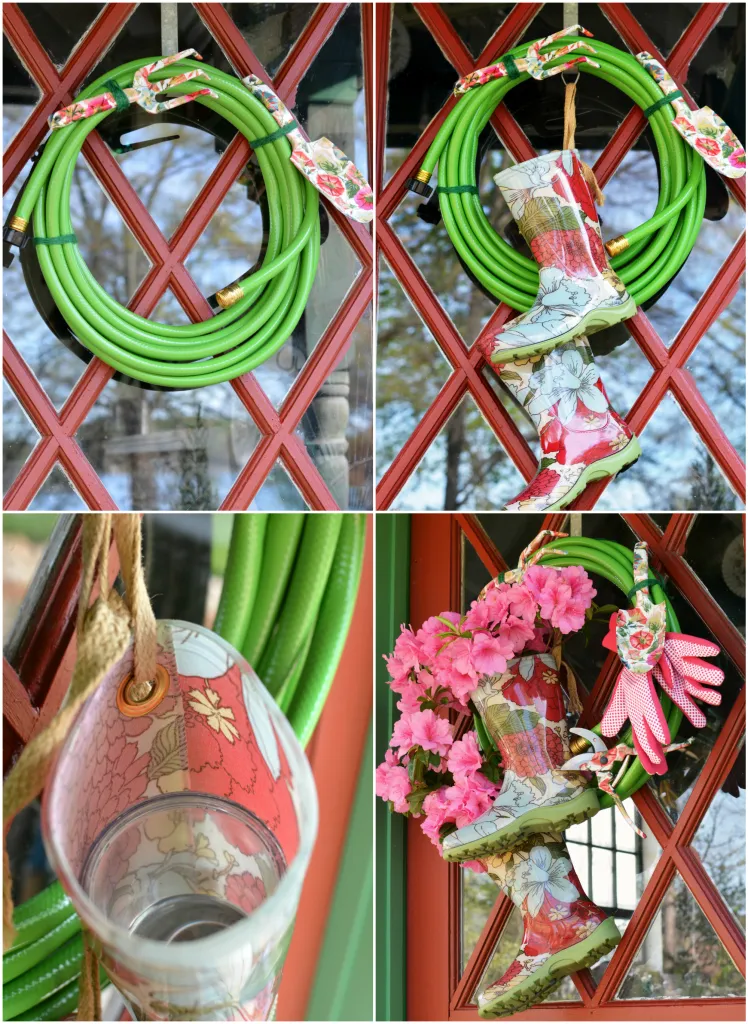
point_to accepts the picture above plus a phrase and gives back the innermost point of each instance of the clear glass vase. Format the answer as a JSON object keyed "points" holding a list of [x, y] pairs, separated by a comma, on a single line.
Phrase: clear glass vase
{"points": [[181, 819]]}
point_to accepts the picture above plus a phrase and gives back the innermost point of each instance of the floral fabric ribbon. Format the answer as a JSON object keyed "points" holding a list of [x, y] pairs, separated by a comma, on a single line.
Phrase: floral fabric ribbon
{"points": [[703, 129], [327, 167], [142, 92], [533, 62], [639, 636]]}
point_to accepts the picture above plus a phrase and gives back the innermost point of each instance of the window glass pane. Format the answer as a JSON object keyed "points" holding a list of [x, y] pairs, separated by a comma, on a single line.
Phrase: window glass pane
{"points": [[602, 828], [602, 877], [681, 956], [626, 897], [720, 841]]}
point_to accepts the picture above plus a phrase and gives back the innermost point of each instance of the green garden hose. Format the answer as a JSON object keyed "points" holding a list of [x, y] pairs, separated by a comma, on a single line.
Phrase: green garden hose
{"points": [[615, 562], [34, 918], [242, 577], [62, 1004], [44, 979], [656, 250], [281, 545], [303, 598], [239, 337], [331, 629], [20, 959]]}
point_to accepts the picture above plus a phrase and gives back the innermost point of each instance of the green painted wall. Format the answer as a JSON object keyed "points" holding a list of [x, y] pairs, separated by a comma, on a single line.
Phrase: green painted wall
{"points": [[392, 609], [343, 984]]}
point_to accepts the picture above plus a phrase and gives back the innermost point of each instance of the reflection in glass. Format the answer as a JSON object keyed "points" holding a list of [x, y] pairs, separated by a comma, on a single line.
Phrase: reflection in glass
{"points": [[19, 437], [681, 956], [57, 494]]}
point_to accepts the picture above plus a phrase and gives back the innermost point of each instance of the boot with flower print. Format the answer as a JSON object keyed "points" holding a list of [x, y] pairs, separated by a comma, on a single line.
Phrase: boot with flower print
{"points": [[579, 291], [523, 711], [563, 930], [582, 438]]}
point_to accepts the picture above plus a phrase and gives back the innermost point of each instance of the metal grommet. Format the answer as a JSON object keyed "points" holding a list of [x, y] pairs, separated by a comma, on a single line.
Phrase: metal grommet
{"points": [[134, 700]]}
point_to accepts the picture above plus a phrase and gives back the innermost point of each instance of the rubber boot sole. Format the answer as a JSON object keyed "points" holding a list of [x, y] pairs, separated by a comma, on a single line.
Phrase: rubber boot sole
{"points": [[611, 465], [595, 320], [540, 819], [557, 967]]}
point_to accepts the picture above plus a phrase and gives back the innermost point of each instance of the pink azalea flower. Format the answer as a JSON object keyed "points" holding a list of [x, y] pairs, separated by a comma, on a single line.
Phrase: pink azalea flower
{"points": [[398, 671], [431, 732], [435, 808], [490, 653], [392, 783], [464, 758], [517, 633], [402, 734], [539, 640], [497, 601], [408, 649], [475, 865], [536, 578], [522, 603], [582, 589], [460, 685], [468, 799], [408, 702], [479, 616]]}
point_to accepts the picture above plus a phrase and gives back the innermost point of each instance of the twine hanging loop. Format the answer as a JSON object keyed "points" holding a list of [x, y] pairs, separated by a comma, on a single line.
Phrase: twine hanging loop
{"points": [[570, 127]]}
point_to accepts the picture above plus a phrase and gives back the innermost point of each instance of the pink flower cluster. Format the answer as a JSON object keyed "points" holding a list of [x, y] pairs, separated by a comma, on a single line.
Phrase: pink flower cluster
{"points": [[439, 665], [453, 652]]}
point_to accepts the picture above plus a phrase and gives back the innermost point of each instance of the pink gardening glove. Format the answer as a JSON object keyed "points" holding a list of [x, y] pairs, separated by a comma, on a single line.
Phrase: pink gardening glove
{"points": [[638, 636], [680, 673]]}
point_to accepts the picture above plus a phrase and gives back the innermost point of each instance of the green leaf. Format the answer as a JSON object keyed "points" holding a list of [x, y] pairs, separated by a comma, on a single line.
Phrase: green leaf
{"points": [[435, 758], [451, 625]]}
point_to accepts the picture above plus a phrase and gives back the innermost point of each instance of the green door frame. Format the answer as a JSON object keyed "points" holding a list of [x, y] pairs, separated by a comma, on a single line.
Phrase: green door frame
{"points": [[392, 609]]}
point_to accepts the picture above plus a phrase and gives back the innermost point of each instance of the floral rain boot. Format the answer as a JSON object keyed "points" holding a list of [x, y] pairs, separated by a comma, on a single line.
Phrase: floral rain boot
{"points": [[523, 711], [564, 930], [579, 292], [582, 438]]}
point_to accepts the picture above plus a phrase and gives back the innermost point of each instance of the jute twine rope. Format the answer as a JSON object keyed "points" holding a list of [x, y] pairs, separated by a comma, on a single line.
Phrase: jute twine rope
{"points": [[570, 127], [104, 629]]}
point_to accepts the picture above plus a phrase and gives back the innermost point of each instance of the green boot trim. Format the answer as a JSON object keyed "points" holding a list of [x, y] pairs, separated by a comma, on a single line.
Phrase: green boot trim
{"points": [[557, 818], [595, 320], [537, 986], [599, 470]]}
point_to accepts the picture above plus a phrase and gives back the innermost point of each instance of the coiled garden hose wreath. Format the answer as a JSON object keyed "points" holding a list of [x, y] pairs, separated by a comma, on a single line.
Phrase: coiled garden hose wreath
{"points": [[614, 562], [645, 258], [288, 595], [270, 300]]}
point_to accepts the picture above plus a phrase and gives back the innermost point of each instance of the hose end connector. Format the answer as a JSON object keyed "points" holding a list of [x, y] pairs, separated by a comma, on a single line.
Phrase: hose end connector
{"points": [[14, 234], [430, 212], [229, 295], [617, 245], [420, 184]]}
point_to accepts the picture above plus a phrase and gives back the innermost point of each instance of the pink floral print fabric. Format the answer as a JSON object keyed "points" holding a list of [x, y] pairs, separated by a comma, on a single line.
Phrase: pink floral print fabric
{"points": [[703, 129], [328, 168]]}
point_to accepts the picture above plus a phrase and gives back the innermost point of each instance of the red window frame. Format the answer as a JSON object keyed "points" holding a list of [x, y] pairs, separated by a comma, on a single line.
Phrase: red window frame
{"points": [[34, 686], [467, 363], [168, 257], [437, 987]]}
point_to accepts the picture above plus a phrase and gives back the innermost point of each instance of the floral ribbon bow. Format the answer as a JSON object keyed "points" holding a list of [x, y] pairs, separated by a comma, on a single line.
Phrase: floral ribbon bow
{"points": [[703, 129], [142, 92], [639, 636], [601, 760], [532, 554], [326, 166], [533, 62]]}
